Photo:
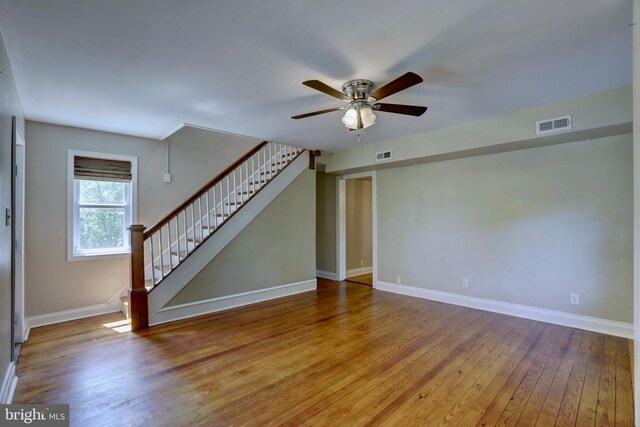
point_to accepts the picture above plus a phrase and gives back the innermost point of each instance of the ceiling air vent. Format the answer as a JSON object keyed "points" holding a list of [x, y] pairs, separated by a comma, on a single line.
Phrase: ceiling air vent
{"points": [[383, 155], [553, 125]]}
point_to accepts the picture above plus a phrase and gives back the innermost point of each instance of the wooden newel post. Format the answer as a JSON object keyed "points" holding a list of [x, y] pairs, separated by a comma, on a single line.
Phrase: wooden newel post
{"points": [[312, 158], [138, 305]]}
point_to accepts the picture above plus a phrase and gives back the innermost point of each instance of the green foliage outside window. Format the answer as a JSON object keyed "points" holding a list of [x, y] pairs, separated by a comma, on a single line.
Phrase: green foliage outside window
{"points": [[103, 222]]}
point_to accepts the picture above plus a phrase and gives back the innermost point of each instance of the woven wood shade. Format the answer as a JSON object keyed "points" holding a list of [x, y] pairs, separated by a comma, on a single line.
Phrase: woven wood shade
{"points": [[101, 169]]}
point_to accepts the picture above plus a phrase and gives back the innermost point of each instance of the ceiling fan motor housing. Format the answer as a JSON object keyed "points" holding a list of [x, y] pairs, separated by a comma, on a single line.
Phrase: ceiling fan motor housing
{"points": [[358, 90]]}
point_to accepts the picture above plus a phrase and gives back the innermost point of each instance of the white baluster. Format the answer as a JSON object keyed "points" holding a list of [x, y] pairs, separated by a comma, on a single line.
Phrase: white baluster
{"points": [[208, 213], [221, 203], [153, 262], [184, 222], [200, 216], [253, 176], [228, 197], [269, 164], [177, 217], [193, 225], [215, 208], [169, 238], [160, 252], [235, 191]]}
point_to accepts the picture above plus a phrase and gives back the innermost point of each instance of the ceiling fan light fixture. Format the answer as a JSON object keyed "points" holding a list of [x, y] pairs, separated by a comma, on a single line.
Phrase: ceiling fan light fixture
{"points": [[350, 118], [367, 117]]}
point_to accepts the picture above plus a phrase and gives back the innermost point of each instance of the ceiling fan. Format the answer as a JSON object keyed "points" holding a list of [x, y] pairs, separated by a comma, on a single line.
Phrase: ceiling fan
{"points": [[363, 100]]}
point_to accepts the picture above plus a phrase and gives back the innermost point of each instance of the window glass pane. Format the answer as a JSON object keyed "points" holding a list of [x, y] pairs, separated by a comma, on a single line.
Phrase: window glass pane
{"points": [[102, 228], [101, 192]]}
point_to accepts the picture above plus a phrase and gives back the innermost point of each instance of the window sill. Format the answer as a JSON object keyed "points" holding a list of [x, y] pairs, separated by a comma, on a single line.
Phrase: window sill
{"points": [[97, 256]]}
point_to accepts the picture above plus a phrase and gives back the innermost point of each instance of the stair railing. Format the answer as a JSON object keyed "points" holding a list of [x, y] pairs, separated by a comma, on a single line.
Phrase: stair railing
{"points": [[160, 249]]}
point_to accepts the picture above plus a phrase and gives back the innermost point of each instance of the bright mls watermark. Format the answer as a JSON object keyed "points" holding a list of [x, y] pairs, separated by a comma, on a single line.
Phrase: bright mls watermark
{"points": [[34, 415]]}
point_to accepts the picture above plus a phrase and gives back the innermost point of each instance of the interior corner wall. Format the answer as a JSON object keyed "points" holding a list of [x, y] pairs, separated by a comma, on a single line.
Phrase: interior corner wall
{"points": [[52, 283], [359, 237], [9, 106], [277, 248], [326, 222], [525, 227]]}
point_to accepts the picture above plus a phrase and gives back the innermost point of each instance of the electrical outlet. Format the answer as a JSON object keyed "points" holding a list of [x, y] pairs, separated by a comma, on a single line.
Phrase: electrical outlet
{"points": [[465, 283], [361, 263], [574, 299], [167, 177], [398, 280]]}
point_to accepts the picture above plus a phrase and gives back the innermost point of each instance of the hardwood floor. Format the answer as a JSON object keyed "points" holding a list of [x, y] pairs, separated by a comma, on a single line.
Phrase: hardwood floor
{"points": [[363, 279], [344, 355]]}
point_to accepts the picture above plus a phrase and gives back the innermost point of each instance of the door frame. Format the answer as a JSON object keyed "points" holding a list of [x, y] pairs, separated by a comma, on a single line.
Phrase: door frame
{"points": [[341, 224], [18, 260]]}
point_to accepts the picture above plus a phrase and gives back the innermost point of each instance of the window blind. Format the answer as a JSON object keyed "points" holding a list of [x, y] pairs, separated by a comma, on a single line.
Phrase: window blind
{"points": [[101, 169]]}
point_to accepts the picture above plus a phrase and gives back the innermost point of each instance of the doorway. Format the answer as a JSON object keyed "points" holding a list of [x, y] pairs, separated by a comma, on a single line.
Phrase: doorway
{"points": [[356, 242]]}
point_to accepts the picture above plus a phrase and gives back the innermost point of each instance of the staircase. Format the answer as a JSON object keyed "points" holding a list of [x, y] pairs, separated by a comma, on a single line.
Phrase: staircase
{"points": [[161, 249]]}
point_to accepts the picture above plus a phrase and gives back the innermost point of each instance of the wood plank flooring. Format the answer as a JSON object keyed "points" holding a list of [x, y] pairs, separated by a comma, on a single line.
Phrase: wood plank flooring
{"points": [[344, 355], [363, 279]]}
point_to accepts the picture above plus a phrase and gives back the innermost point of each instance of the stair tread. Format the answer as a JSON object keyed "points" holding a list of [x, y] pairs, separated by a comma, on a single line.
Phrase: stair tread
{"points": [[126, 298], [165, 268]]}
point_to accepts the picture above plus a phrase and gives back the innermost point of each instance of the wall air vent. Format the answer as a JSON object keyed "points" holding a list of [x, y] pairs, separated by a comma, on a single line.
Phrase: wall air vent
{"points": [[383, 155], [553, 125]]}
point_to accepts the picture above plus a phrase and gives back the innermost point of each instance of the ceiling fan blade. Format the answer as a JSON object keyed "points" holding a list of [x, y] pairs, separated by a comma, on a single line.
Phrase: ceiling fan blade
{"points": [[401, 83], [315, 113], [410, 110], [318, 85]]}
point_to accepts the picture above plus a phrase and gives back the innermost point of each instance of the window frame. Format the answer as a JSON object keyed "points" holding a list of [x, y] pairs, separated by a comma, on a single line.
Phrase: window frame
{"points": [[73, 206]]}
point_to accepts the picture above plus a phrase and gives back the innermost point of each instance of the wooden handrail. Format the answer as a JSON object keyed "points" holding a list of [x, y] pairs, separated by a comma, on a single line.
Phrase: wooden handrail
{"points": [[158, 225]]}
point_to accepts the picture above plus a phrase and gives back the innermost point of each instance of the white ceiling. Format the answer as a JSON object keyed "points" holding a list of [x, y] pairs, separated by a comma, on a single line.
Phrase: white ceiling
{"points": [[144, 67]]}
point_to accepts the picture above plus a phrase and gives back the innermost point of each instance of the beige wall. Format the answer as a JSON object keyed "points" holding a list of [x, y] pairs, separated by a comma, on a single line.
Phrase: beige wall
{"points": [[358, 223], [526, 227], [54, 284], [326, 222], [276, 248]]}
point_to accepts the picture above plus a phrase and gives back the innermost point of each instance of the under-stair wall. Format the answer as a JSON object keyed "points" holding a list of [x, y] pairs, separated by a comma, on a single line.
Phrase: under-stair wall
{"points": [[271, 257]]}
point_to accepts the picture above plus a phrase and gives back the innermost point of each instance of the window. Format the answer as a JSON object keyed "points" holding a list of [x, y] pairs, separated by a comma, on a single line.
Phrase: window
{"points": [[101, 204]]}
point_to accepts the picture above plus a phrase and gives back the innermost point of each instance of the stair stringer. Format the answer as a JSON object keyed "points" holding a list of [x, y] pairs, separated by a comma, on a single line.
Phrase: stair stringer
{"points": [[160, 296]]}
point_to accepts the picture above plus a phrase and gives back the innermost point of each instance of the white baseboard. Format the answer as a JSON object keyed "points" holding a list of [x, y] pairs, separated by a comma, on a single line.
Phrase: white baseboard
{"points": [[113, 305], [73, 314], [359, 271], [326, 275], [183, 311], [8, 384], [595, 324]]}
